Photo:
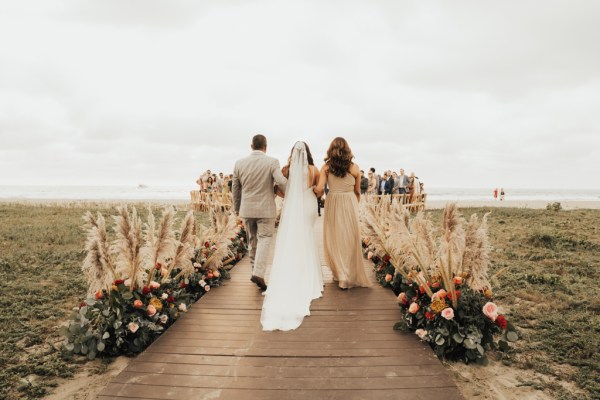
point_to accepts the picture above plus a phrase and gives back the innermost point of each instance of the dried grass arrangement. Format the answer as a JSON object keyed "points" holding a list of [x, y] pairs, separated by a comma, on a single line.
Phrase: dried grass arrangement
{"points": [[440, 277], [141, 281]]}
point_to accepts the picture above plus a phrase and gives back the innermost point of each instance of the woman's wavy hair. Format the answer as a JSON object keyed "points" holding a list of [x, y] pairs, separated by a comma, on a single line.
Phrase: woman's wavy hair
{"points": [[308, 154], [339, 157]]}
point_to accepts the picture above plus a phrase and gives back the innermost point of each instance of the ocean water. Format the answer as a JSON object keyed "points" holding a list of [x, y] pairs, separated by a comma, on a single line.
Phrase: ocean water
{"points": [[161, 193]]}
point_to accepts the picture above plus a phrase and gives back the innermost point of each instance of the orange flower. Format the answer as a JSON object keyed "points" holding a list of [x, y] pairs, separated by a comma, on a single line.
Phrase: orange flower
{"points": [[388, 277]]}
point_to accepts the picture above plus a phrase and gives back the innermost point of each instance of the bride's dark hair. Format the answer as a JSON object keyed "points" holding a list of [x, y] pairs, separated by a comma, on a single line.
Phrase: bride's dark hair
{"points": [[308, 154], [339, 157]]}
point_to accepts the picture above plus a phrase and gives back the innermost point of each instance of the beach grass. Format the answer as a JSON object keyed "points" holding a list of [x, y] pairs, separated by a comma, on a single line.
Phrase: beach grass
{"points": [[548, 286], [548, 269], [41, 251]]}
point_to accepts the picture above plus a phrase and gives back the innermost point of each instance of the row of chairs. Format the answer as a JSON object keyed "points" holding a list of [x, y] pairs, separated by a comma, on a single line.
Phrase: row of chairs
{"points": [[203, 201]]}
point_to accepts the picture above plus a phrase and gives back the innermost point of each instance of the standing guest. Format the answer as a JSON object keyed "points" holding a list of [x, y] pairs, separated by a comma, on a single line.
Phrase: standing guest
{"points": [[404, 182], [209, 184], [200, 183], [389, 183], [230, 183], [341, 228], [396, 188], [414, 187], [496, 194], [219, 182], [377, 178], [372, 184], [207, 174], [502, 194], [382, 182], [364, 182]]}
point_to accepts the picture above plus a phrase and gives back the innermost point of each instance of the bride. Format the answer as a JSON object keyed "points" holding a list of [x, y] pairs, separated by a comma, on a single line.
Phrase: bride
{"points": [[296, 278]]}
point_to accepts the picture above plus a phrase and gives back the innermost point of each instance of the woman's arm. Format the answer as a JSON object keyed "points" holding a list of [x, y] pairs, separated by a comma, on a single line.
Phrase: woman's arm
{"points": [[320, 189], [355, 171], [285, 171], [316, 176]]}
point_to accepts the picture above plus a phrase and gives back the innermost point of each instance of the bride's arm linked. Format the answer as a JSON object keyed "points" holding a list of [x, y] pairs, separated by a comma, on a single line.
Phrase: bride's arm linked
{"points": [[320, 188]]}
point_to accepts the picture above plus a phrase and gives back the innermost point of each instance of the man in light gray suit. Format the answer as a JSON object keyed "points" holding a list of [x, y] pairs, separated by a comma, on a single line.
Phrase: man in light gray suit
{"points": [[254, 180]]}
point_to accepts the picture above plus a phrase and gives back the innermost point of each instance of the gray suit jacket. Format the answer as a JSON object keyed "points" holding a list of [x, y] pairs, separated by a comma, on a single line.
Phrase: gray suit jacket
{"points": [[254, 179]]}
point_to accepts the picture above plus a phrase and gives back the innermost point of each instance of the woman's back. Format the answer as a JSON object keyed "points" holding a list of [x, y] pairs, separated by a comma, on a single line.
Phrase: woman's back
{"points": [[341, 185]]}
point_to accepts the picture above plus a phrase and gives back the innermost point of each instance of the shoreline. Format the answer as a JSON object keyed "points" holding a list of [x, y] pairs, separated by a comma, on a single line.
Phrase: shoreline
{"points": [[431, 204]]}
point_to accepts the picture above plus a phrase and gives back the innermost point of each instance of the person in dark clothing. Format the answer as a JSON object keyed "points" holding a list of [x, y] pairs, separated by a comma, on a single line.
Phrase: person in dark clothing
{"points": [[364, 182]]}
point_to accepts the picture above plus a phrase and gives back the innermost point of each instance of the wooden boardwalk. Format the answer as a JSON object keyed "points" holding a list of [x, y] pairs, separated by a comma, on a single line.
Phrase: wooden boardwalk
{"points": [[346, 350]]}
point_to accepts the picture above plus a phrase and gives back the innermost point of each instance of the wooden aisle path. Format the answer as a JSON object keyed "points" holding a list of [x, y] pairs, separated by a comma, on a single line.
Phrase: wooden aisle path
{"points": [[346, 350]]}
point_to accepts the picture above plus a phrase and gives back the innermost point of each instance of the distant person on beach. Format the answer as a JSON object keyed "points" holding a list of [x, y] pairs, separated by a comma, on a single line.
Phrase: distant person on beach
{"points": [[382, 182], [377, 179], [502, 194], [396, 187], [389, 184], [372, 189], [496, 194]]}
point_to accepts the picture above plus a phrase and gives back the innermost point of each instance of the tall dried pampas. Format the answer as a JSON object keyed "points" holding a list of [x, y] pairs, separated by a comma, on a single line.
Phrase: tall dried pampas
{"points": [[159, 249], [97, 267], [127, 246], [185, 247]]}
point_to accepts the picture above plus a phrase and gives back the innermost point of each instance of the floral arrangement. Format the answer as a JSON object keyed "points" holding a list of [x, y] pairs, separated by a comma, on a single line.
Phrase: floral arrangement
{"points": [[441, 283], [142, 281]]}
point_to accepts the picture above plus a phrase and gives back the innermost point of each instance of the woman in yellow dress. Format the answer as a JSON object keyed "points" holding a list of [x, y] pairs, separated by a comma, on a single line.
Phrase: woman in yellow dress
{"points": [[341, 229]]}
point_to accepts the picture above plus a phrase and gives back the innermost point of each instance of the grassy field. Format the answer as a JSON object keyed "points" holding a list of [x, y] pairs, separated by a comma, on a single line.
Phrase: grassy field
{"points": [[550, 263], [549, 288], [41, 250]]}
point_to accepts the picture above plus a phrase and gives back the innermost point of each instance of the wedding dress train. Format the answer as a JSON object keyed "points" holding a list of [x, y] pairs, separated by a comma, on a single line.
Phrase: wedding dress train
{"points": [[296, 277]]}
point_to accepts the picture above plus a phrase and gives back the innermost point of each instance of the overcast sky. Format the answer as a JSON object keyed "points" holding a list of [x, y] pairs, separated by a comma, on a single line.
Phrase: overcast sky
{"points": [[464, 93]]}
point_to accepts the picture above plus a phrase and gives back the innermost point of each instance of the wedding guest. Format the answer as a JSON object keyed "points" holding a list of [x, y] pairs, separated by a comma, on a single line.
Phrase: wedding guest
{"points": [[219, 183], [230, 183], [382, 182], [502, 194], [364, 182], [372, 184], [389, 183], [414, 187], [496, 194], [396, 188], [209, 184], [341, 229], [377, 178], [403, 182]]}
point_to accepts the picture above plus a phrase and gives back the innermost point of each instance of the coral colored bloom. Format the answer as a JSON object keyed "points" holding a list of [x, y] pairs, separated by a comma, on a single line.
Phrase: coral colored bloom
{"points": [[207, 288], [440, 294], [127, 282], [370, 255], [99, 295], [138, 304], [216, 274], [133, 327], [164, 272], [501, 322], [154, 285], [421, 333], [447, 313], [388, 277], [151, 310], [490, 310], [414, 307], [209, 275], [458, 280], [435, 285], [457, 294], [403, 298], [422, 289], [488, 293], [182, 307]]}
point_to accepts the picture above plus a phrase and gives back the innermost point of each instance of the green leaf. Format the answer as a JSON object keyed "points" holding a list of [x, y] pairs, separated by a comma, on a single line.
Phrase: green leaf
{"points": [[512, 336], [70, 347], [127, 296], [106, 335], [400, 326], [457, 338], [100, 347], [106, 312], [84, 349], [503, 345], [439, 340], [480, 349], [64, 331], [469, 344]]}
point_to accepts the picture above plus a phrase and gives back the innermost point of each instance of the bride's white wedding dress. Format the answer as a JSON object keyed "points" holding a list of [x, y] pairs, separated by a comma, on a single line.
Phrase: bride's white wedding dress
{"points": [[296, 277]]}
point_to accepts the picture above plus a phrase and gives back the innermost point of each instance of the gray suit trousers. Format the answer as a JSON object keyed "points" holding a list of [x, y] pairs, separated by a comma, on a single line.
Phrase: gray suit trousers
{"points": [[260, 232]]}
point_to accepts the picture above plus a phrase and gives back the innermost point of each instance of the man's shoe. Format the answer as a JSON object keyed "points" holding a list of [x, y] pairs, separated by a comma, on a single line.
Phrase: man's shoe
{"points": [[260, 282]]}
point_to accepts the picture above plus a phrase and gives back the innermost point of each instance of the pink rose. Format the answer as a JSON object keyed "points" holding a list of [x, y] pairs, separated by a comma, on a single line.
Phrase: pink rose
{"points": [[127, 282], [414, 307], [182, 307], [388, 277], [369, 255], [216, 274], [138, 304], [164, 296], [133, 327], [440, 294], [164, 272], [403, 298], [421, 333], [207, 288], [151, 310], [154, 285], [490, 310], [448, 313]]}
